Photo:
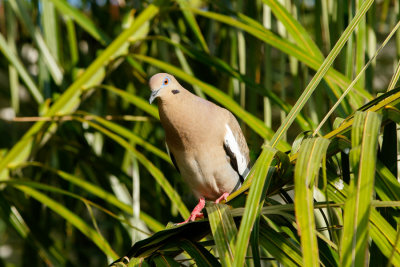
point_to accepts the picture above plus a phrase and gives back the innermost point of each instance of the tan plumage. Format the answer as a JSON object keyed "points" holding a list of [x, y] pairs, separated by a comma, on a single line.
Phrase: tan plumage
{"points": [[204, 140]]}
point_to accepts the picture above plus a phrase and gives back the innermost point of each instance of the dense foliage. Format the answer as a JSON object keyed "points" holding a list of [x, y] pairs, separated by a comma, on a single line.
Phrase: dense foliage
{"points": [[84, 172]]}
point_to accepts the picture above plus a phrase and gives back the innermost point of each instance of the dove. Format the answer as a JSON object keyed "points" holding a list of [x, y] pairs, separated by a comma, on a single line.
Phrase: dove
{"points": [[204, 141]]}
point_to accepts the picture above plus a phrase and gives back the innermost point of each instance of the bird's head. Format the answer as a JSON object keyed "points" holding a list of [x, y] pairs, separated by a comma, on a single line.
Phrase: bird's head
{"points": [[163, 85]]}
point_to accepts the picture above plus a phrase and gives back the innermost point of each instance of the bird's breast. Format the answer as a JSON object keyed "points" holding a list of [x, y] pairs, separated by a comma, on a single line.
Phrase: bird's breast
{"points": [[186, 132]]}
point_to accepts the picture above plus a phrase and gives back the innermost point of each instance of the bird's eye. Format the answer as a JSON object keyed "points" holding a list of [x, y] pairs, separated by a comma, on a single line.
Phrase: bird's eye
{"points": [[166, 81]]}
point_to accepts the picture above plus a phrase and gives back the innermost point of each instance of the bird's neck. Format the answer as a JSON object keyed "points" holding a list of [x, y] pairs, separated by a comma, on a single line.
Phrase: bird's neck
{"points": [[176, 116]]}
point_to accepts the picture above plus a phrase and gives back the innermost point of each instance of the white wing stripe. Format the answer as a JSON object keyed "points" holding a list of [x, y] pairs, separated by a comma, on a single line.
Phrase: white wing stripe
{"points": [[233, 145]]}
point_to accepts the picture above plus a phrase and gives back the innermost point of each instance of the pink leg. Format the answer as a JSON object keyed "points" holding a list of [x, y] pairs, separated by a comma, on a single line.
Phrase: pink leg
{"points": [[196, 213], [223, 197]]}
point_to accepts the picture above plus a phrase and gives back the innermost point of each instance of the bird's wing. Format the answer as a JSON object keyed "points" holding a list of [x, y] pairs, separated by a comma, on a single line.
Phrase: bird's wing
{"points": [[236, 147], [172, 157]]}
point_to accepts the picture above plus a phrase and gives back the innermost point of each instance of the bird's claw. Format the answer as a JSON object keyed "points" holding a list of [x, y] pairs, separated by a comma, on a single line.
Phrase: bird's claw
{"points": [[192, 218], [223, 197], [196, 213]]}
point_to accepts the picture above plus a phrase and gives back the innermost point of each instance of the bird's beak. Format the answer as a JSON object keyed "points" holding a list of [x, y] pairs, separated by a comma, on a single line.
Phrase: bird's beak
{"points": [[154, 95]]}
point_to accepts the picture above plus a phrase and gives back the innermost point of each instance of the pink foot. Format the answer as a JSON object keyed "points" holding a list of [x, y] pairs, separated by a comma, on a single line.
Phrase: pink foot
{"points": [[223, 197], [196, 213]]}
